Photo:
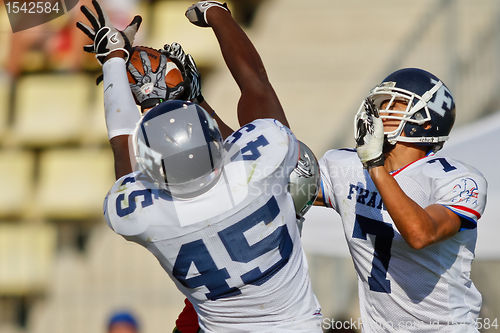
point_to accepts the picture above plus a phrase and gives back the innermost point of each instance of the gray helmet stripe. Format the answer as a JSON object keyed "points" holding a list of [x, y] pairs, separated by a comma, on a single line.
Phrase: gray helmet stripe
{"points": [[207, 139], [164, 168], [146, 140]]}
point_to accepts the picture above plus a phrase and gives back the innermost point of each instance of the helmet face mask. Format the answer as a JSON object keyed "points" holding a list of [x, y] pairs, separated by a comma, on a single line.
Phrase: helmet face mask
{"points": [[179, 147], [430, 109], [416, 113]]}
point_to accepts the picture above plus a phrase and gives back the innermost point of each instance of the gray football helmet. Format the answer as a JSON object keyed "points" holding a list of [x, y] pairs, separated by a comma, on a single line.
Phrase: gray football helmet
{"points": [[179, 146]]}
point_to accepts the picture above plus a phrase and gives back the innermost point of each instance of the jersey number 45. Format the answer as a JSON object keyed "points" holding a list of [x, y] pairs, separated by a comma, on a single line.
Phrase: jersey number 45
{"points": [[239, 250]]}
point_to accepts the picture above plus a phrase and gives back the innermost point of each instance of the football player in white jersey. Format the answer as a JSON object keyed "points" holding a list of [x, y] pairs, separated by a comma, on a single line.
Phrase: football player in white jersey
{"points": [[409, 216], [217, 214]]}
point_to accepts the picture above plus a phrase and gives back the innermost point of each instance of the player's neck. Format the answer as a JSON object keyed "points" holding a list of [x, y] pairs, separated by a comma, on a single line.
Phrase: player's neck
{"points": [[403, 154]]}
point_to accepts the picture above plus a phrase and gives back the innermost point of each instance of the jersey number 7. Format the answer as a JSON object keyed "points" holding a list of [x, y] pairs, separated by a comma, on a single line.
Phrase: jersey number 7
{"points": [[384, 233]]}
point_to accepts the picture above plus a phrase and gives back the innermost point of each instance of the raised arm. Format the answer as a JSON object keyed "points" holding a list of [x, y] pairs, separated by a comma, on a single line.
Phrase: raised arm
{"points": [[112, 48], [419, 226], [121, 113], [258, 99]]}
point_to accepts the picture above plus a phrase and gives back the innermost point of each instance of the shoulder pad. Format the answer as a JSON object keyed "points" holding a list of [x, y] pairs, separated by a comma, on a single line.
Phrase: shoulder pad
{"points": [[342, 157], [263, 146], [129, 195]]}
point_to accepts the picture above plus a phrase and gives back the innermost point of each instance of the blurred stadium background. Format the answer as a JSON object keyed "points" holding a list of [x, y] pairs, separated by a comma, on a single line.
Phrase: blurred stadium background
{"points": [[63, 270]]}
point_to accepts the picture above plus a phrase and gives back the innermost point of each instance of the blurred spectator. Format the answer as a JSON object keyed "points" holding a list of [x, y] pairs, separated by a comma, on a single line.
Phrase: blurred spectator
{"points": [[59, 41], [123, 322]]}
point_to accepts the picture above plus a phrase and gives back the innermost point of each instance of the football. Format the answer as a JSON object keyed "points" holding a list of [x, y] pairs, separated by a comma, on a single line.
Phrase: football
{"points": [[173, 75]]}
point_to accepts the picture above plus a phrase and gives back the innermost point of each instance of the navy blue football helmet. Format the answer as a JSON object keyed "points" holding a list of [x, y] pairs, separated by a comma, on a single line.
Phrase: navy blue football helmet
{"points": [[179, 146], [430, 110]]}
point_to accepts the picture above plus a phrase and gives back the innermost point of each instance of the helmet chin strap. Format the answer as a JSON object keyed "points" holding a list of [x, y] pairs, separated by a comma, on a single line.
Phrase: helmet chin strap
{"points": [[424, 139], [388, 147]]}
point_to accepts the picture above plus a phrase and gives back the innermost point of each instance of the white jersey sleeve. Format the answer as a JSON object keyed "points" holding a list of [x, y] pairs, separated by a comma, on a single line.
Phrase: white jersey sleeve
{"points": [[332, 165], [460, 188], [126, 206], [259, 133]]}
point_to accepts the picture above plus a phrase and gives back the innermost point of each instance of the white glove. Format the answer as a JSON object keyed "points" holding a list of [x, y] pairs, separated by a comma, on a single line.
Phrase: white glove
{"points": [[369, 135], [191, 72], [105, 37], [197, 13]]}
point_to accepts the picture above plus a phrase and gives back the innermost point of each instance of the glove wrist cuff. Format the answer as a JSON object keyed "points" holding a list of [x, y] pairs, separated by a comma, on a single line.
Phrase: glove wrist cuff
{"points": [[101, 57], [376, 162], [219, 5]]}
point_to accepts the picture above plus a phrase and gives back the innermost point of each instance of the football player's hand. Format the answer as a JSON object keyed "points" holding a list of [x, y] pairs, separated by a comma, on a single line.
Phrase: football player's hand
{"points": [[106, 38], [197, 13], [369, 135], [151, 85], [191, 72]]}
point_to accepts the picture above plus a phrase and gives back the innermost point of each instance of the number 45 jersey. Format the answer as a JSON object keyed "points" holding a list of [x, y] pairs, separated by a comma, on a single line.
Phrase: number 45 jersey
{"points": [[402, 289], [234, 251]]}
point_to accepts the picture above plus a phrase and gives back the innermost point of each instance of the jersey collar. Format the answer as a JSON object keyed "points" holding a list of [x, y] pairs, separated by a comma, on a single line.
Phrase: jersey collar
{"points": [[395, 172]]}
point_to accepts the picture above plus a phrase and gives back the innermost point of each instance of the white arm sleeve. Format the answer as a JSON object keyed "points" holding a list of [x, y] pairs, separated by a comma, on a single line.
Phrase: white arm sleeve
{"points": [[121, 112]]}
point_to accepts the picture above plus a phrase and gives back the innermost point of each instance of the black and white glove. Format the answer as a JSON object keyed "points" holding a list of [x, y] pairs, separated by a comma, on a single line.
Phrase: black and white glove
{"points": [[192, 75], [197, 13], [369, 135], [151, 88], [104, 36]]}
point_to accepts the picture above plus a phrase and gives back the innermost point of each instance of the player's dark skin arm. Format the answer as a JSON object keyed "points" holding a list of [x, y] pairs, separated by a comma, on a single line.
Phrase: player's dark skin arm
{"points": [[119, 146], [258, 99], [419, 226], [225, 130]]}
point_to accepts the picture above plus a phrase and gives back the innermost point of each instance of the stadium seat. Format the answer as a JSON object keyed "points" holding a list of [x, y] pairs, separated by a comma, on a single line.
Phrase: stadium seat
{"points": [[17, 170], [26, 257], [51, 109], [73, 183], [170, 25]]}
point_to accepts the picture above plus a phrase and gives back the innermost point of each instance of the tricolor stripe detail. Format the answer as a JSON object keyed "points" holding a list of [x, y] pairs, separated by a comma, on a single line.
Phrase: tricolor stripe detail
{"points": [[468, 210], [323, 192], [467, 222]]}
